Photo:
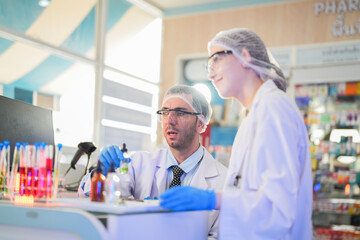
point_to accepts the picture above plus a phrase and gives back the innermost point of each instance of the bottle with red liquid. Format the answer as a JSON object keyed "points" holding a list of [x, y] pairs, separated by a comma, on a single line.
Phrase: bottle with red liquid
{"points": [[97, 185]]}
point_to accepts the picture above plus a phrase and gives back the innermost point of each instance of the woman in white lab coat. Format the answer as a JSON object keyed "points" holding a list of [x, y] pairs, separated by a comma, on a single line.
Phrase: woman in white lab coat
{"points": [[268, 190]]}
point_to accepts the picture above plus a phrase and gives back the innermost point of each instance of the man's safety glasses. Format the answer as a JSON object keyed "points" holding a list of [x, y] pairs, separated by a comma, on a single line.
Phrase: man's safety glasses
{"points": [[165, 113]]}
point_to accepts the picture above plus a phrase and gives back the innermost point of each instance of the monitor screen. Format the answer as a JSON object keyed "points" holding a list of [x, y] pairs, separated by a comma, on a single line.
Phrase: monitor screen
{"points": [[23, 122]]}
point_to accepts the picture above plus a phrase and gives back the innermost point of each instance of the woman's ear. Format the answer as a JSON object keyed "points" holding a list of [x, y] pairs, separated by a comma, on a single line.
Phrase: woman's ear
{"points": [[247, 58]]}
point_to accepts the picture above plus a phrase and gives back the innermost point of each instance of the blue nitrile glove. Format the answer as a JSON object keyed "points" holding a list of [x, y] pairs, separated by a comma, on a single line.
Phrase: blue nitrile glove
{"points": [[182, 198], [108, 155]]}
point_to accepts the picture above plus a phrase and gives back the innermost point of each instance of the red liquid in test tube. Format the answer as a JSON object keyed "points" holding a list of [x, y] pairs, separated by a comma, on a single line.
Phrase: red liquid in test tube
{"points": [[41, 182], [49, 151], [23, 179], [41, 157], [48, 188], [29, 181], [35, 181]]}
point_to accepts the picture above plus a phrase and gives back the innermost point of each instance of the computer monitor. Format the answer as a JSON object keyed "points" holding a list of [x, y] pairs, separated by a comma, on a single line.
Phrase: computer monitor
{"points": [[23, 122]]}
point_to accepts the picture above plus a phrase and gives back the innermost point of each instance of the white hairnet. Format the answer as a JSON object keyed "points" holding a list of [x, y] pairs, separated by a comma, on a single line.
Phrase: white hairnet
{"points": [[238, 39], [194, 99]]}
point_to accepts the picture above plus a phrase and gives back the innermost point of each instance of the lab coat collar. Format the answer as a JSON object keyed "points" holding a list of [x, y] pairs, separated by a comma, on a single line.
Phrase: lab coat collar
{"points": [[188, 164], [207, 169], [160, 174], [266, 87]]}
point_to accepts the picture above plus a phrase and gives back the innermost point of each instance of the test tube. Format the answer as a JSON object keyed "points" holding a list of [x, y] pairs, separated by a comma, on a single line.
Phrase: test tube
{"points": [[49, 150], [41, 158], [29, 169], [2, 176], [6, 168], [14, 175], [33, 169], [58, 155], [22, 170]]}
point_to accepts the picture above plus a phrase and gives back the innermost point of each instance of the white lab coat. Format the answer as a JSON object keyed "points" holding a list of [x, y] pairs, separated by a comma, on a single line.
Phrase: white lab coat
{"points": [[148, 173], [273, 199]]}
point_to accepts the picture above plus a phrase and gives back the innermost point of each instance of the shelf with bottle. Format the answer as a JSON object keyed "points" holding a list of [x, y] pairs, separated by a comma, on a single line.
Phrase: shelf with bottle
{"points": [[342, 90], [331, 113], [349, 118], [345, 232], [340, 183], [328, 155], [329, 106], [336, 215], [330, 220], [345, 147], [337, 206], [335, 137]]}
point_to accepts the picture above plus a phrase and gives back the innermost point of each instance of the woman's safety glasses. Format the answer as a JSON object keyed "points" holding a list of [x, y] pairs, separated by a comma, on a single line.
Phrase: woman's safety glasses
{"points": [[215, 58]]}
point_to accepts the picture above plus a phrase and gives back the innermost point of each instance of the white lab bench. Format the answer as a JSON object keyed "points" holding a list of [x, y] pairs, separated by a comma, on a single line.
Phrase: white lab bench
{"points": [[82, 219]]}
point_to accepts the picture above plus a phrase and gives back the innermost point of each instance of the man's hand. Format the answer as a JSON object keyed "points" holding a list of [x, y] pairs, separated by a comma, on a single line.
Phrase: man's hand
{"points": [[108, 155]]}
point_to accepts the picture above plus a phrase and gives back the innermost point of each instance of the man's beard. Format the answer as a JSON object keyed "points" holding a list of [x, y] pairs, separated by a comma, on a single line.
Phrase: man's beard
{"points": [[186, 140]]}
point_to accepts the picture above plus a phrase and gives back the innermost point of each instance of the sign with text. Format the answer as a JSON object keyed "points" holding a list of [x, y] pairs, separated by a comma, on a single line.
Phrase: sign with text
{"points": [[339, 28], [328, 54]]}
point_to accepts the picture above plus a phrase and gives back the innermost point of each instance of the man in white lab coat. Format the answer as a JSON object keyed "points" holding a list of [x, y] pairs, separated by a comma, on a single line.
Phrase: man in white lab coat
{"points": [[184, 115]]}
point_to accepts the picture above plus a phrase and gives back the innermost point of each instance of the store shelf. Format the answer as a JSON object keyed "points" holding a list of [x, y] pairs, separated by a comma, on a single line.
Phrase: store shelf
{"points": [[329, 109], [346, 232]]}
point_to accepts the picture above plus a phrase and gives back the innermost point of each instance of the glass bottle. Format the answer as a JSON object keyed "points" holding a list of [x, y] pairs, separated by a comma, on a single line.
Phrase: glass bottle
{"points": [[112, 186], [124, 164], [97, 185]]}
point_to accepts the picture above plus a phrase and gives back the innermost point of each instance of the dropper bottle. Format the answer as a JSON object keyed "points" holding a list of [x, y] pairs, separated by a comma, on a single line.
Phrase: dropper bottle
{"points": [[112, 186], [97, 185], [124, 164]]}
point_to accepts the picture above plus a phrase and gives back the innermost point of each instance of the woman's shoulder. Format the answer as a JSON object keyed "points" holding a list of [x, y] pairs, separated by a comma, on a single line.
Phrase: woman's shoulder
{"points": [[277, 103], [275, 98]]}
